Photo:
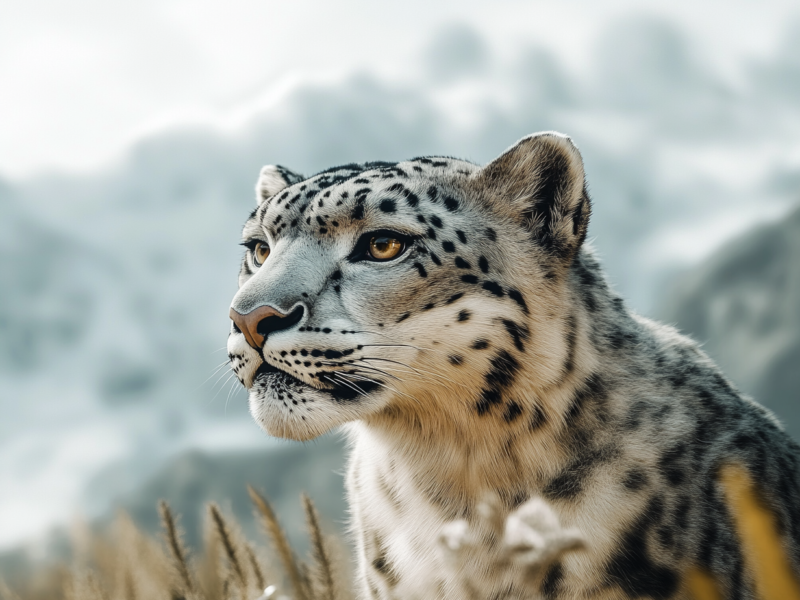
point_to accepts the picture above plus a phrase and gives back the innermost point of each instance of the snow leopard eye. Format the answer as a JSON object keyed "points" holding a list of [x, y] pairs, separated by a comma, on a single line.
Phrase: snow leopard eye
{"points": [[380, 246], [260, 253], [383, 247]]}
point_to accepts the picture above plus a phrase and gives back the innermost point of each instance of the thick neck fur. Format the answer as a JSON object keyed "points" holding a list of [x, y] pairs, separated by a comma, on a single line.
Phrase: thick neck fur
{"points": [[455, 456]]}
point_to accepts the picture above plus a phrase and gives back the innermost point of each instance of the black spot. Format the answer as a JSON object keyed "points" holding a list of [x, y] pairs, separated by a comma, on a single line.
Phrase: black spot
{"points": [[571, 339], [421, 219], [635, 479], [336, 275], [678, 378], [480, 344], [464, 315], [347, 394], [428, 306], [577, 218], [483, 264], [551, 584], [632, 567], [519, 333], [448, 246], [491, 234], [564, 486], [516, 296], [594, 390], [421, 269], [431, 233], [501, 375], [435, 259], [666, 536], [682, 513], [462, 264], [619, 338], [451, 204], [332, 354], [381, 566], [437, 222], [403, 317], [708, 542], [455, 359], [538, 418], [494, 288], [388, 206], [461, 236], [432, 193], [589, 301], [469, 279], [454, 297], [671, 465], [633, 419], [512, 412], [358, 212]]}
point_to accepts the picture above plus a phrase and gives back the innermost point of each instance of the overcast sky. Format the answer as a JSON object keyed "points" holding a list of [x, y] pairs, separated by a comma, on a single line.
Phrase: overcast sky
{"points": [[80, 80]]}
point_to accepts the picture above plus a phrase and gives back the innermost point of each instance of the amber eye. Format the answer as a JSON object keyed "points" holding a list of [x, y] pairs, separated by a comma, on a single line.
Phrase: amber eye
{"points": [[384, 248], [260, 253]]}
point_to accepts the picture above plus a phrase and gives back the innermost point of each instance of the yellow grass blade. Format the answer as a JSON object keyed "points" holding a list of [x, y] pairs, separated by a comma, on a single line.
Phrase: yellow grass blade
{"points": [[763, 549]]}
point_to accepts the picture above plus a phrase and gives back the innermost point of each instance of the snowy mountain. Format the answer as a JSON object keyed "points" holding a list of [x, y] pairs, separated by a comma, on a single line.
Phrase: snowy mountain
{"points": [[743, 304]]}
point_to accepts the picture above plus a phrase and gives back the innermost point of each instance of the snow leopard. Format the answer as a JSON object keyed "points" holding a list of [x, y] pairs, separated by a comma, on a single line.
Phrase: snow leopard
{"points": [[453, 320]]}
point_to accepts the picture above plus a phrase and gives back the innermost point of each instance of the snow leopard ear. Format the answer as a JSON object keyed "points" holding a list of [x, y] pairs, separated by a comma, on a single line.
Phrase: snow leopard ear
{"points": [[540, 183], [272, 179]]}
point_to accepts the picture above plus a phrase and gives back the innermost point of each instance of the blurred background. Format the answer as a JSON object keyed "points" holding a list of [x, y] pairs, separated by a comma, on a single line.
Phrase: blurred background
{"points": [[130, 140]]}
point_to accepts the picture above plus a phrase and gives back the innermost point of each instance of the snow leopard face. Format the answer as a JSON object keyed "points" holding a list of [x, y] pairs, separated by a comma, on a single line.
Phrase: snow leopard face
{"points": [[420, 289]]}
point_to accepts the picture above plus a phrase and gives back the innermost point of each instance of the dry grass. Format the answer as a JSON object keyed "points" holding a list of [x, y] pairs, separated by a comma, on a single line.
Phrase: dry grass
{"points": [[125, 564]]}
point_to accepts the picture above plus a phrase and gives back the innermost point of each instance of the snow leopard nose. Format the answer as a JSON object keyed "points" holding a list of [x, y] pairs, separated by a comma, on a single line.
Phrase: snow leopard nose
{"points": [[259, 323]]}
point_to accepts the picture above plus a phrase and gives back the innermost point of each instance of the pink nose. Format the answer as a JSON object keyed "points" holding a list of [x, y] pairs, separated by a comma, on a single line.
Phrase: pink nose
{"points": [[248, 324]]}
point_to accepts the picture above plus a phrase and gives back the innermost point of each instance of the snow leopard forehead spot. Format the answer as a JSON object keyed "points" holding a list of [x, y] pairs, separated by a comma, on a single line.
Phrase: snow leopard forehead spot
{"points": [[359, 189]]}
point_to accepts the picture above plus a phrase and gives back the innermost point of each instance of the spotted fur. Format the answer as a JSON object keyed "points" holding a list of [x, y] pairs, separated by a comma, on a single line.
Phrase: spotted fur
{"points": [[492, 357]]}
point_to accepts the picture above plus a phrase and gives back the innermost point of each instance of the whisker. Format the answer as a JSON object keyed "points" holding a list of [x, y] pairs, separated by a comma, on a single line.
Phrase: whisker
{"points": [[222, 364], [384, 370], [221, 388], [352, 386], [216, 383], [340, 364], [231, 391], [419, 371], [420, 348], [388, 387]]}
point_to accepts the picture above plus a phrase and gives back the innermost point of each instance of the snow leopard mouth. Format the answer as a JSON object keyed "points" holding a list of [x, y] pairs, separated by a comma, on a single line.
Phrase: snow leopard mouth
{"points": [[338, 392]]}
